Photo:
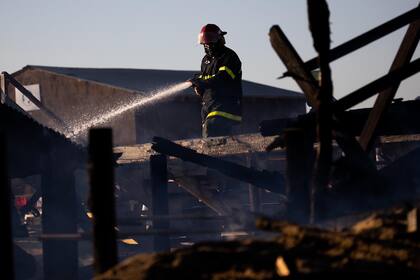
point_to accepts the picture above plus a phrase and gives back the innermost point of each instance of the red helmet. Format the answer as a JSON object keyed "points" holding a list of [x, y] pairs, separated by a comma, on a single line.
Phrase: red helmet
{"points": [[210, 33]]}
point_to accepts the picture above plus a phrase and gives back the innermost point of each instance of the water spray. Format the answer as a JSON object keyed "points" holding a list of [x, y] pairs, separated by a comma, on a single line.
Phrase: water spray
{"points": [[84, 123]]}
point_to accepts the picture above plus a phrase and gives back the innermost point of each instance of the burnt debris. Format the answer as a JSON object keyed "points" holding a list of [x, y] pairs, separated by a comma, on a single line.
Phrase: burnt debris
{"points": [[312, 196]]}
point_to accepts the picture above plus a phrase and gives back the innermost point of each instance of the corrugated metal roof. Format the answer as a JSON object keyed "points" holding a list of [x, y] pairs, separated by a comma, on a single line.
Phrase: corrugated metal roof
{"points": [[147, 80], [28, 138]]}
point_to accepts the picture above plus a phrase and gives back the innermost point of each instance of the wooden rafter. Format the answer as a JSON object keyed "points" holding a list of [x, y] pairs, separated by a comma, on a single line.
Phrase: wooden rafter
{"points": [[294, 64], [385, 97], [366, 38]]}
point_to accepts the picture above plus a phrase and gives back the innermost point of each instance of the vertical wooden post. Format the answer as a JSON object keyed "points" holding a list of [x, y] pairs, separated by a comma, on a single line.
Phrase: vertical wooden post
{"points": [[319, 24], [254, 192], [300, 162], [254, 198], [101, 172], [3, 89], [160, 202], [59, 216], [6, 239]]}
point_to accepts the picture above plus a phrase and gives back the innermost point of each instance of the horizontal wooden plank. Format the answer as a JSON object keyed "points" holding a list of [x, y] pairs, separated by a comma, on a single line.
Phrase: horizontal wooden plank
{"points": [[138, 154], [217, 146]]}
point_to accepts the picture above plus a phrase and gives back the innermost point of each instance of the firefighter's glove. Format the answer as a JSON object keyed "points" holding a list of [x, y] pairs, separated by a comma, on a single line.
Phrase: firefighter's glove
{"points": [[197, 84]]}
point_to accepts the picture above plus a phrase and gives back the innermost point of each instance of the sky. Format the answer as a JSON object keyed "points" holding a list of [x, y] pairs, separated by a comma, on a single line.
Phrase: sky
{"points": [[162, 34]]}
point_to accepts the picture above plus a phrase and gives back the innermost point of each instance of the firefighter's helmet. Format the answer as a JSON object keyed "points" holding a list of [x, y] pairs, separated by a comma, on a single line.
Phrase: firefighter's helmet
{"points": [[210, 34]]}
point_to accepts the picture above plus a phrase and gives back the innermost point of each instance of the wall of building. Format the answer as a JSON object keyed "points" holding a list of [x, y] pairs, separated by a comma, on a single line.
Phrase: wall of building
{"points": [[70, 98], [174, 119]]}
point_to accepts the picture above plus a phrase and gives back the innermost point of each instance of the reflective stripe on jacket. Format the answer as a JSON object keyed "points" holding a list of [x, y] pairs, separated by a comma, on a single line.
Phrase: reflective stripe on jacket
{"points": [[225, 115]]}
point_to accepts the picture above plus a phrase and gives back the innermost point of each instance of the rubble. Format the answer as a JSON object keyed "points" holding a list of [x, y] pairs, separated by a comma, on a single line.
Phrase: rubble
{"points": [[320, 168], [376, 246]]}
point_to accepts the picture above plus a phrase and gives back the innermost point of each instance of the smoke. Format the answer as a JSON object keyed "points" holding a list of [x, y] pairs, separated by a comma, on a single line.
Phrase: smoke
{"points": [[78, 128]]}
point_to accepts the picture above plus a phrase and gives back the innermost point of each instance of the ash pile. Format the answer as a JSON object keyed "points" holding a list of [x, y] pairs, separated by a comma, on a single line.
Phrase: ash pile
{"points": [[383, 243]]}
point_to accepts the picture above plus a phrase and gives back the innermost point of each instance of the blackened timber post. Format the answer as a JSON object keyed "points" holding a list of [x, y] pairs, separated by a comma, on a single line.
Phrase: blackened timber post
{"points": [[319, 25], [254, 192], [6, 240], [3, 89], [393, 78], [160, 202], [300, 157], [102, 199], [33, 99], [59, 215]]}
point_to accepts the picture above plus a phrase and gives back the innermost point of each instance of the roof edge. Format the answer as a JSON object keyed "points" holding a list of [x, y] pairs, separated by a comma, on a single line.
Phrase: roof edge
{"points": [[290, 93], [30, 67]]}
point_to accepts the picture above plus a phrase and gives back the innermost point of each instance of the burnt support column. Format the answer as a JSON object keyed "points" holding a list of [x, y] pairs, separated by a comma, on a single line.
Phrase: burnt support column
{"points": [[299, 169], [6, 240], [59, 216], [160, 202], [254, 192], [3, 89], [102, 198]]}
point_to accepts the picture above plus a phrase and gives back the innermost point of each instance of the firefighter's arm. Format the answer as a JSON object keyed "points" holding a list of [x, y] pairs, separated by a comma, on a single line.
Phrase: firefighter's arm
{"points": [[229, 71]]}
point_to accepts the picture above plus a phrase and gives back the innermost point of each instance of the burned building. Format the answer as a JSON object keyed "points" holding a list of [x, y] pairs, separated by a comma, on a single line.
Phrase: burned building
{"points": [[319, 174], [72, 92]]}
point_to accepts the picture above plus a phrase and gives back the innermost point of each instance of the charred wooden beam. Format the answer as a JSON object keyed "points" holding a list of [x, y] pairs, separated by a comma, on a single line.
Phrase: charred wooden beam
{"points": [[401, 118], [356, 164], [102, 199], [384, 99], [402, 176], [34, 100], [391, 79], [359, 159], [160, 202], [319, 25], [294, 64], [6, 240], [268, 180], [220, 147], [254, 192], [365, 38], [3, 89], [300, 164], [362, 191], [352, 99], [193, 185], [59, 216]]}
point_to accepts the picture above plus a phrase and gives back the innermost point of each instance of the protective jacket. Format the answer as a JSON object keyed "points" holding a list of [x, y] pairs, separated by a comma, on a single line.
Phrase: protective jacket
{"points": [[221, 82]]}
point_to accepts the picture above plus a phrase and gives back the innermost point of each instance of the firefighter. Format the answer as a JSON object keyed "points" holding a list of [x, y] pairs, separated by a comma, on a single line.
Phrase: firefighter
{"points": [[219, 84]]}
